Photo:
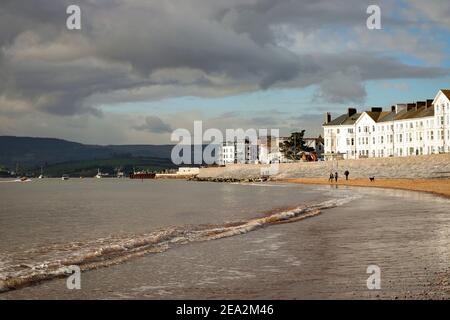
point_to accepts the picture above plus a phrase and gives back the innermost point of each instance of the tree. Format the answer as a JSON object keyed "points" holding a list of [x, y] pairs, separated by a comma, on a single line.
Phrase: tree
{"points": [[295, 144]]}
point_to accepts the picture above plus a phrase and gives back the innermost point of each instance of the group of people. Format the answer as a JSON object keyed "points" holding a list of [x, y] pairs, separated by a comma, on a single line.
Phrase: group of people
{"points": [[335, 176]]}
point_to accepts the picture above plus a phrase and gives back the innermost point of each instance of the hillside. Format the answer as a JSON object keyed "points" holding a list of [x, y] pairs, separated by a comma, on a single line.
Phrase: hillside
{"points": [[30, 152], [59, 156]]}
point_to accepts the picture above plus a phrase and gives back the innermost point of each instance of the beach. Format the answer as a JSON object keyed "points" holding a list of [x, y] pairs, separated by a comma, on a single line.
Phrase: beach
{"points": [[436, 186], [226, 251]]}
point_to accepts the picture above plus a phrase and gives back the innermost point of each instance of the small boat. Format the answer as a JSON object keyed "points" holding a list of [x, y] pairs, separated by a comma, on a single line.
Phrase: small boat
{"points": [[41, 176], [64, 177], [23, 179], [101, 175]]}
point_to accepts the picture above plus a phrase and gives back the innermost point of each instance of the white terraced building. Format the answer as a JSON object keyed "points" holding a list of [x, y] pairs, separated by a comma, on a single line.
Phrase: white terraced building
{"points": [[237, 152], [406, 129]]}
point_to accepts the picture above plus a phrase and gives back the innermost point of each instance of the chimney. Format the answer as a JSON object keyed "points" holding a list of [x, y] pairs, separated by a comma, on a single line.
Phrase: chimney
{"points": [[429, 103], [399, 107], [351, 111], [392, 108], [420, 104], [410, 106], [327, 118], [376, 109]]}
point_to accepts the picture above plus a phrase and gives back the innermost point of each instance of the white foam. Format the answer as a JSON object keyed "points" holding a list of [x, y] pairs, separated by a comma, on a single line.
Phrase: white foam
{"points": [[104, 252]]}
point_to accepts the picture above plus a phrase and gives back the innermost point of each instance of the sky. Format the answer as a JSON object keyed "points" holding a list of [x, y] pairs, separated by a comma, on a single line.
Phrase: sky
{"points": [[139, 69]]}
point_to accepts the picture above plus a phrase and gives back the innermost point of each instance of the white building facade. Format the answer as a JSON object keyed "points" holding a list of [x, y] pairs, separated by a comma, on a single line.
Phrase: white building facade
{"points": [[238, 152], [406, 129]]}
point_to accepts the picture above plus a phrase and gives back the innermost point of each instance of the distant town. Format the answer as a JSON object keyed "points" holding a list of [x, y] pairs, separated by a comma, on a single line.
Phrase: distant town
{"points": [[406, 129], [403, 129]]}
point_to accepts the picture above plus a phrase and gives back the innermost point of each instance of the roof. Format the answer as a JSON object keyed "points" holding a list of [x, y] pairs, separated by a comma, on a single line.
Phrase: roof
{"points": [[385, 116], [419, 113], [344, 120], [377, 115], [446, 92], [422, 112]]}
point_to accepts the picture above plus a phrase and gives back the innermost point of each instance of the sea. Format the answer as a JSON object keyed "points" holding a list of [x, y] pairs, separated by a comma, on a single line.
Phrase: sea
{"points": [[176, 239]]}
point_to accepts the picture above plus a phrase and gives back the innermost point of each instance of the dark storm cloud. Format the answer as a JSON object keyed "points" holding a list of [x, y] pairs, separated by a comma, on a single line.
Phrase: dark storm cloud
{"points": [[141, 50]]}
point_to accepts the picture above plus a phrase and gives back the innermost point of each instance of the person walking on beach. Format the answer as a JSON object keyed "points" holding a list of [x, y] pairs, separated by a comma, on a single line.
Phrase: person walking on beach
{"points": [[346, 173], [336, 176], [331, 177]]}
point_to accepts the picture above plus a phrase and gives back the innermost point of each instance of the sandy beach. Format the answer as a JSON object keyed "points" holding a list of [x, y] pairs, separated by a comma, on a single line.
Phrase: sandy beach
{"points": [[435, 186], [322, 257]]}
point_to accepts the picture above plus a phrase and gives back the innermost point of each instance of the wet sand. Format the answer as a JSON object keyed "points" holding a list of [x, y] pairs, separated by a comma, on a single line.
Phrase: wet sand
{"points": [[324, 257], [436, 186]]}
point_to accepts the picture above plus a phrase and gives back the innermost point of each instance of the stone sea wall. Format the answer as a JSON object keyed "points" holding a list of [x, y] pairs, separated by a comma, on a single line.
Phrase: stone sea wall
{"points": [[420, 167]]}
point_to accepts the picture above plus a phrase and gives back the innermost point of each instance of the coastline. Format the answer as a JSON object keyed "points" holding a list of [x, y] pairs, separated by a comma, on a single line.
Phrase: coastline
{"points": [[440, 187], [319, 258]]}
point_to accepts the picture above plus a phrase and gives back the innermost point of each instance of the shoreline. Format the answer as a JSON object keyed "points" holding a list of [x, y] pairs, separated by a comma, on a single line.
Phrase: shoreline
{"points": [[293, 254], [439, 187]]}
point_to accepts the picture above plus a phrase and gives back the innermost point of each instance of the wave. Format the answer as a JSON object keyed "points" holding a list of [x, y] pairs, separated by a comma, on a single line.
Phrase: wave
{"points": [[49, 262]]}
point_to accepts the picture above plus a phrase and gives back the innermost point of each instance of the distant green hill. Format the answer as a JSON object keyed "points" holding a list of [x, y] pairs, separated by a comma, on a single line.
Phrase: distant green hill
{"points": [[58, 155]]}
